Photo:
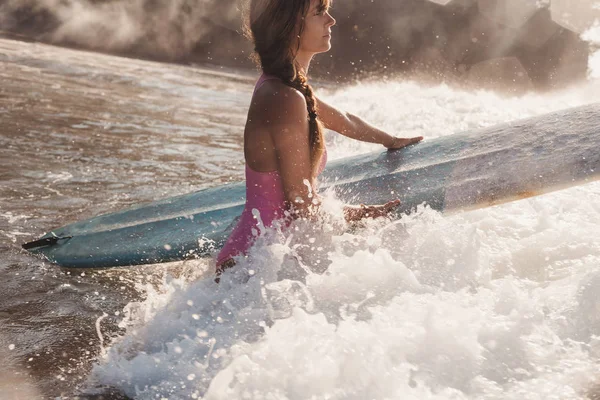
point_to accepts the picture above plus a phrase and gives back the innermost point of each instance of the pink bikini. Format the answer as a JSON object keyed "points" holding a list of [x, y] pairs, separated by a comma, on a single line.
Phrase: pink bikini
{"points": [[264, 197]]}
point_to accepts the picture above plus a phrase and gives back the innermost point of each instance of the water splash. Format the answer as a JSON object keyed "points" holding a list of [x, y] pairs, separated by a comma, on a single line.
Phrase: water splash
{"points": [[476, 305], [592, 36]]}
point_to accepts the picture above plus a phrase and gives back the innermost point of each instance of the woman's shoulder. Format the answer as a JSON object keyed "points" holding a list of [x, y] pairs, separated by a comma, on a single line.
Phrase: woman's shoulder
{"points": [[278, 108], [275, 92]]}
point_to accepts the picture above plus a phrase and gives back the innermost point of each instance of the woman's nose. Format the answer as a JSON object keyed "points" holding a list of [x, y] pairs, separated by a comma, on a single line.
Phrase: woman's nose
{"points": [[332, 20]]}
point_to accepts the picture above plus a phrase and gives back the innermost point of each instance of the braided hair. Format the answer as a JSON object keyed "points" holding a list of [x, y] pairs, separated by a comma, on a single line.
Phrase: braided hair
{"points": [[275, 26]]}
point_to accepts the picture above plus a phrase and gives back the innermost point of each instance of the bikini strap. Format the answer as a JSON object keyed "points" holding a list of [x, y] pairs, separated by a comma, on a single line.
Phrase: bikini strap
{"points": [[263, 78]]}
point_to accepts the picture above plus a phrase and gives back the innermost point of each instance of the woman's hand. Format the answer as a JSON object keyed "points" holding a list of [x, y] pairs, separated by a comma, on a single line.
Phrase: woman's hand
{"points": [[397, 143], [353, 213]]}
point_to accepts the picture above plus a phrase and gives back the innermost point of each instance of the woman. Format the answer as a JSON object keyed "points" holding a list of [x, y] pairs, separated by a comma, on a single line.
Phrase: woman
{"points": [[283, 139]]}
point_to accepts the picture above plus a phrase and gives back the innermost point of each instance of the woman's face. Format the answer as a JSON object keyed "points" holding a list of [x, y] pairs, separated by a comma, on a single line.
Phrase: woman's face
{"points": [[316, 36]]}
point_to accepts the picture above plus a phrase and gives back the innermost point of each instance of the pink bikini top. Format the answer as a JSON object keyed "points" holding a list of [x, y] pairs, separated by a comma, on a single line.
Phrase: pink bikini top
{"points": [[264, 189]]}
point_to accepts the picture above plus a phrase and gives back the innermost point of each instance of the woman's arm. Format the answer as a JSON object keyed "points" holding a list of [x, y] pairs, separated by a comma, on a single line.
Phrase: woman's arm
{"points": [[354, 127], [287, 121]]}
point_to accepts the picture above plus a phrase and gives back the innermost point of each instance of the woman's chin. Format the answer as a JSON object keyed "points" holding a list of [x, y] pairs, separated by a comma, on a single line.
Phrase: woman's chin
{"points": [[325, 48]]}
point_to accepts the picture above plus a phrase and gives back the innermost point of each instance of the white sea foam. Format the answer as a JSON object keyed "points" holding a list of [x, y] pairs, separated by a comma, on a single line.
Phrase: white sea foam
{"points": [[495, 303]]}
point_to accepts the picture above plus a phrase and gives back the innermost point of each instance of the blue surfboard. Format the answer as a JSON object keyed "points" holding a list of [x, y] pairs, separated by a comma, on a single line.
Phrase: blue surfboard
{"points": [[458, 172]]}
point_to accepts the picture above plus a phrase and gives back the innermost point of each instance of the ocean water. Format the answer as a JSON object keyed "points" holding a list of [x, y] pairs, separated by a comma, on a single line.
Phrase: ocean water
{"points": [[497, 303]]}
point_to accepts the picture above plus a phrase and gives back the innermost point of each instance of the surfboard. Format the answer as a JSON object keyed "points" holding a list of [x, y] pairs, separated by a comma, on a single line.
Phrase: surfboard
{"points": [[463, 171]]}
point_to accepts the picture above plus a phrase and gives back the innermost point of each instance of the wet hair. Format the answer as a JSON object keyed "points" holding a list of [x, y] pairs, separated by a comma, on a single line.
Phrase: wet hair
{"points": [[275, 27]]}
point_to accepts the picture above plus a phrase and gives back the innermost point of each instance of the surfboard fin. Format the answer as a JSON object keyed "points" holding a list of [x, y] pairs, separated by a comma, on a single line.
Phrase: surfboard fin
{"points": [[49, 241]]}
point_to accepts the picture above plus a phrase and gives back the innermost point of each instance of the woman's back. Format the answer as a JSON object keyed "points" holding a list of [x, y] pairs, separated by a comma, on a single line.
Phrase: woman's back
{"points": [[259, 150]]}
